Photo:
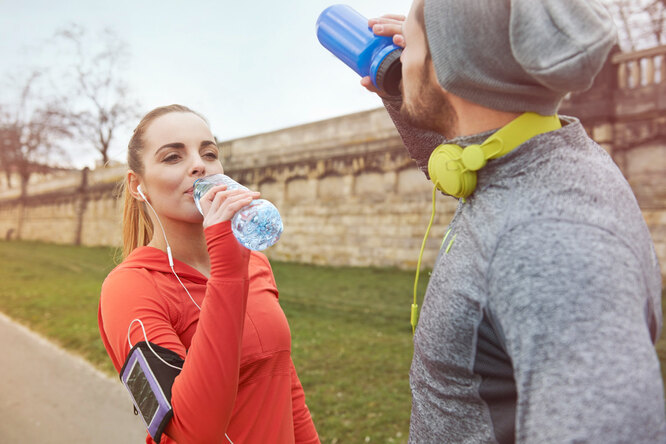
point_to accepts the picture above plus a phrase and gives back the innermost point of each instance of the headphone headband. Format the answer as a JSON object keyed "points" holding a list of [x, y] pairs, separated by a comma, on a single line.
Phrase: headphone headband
{"points": [[453, 169]]}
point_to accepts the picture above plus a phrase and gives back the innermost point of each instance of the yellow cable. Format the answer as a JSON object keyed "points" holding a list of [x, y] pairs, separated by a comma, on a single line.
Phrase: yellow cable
{"points": [[415, 307]]}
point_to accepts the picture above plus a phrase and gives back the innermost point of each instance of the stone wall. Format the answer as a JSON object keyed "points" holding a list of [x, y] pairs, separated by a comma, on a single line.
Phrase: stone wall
{"points": [[76, 207], [346, 189], [347, 192]]}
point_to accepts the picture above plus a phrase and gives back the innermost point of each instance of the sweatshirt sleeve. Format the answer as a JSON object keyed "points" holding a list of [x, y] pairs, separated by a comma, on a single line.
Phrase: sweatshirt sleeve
{"points": [[419, 143], [572, 310], [204, 393], [304, 429]]}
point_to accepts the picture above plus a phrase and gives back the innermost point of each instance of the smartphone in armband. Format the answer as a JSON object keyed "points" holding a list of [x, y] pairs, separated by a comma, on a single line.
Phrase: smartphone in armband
{"points": [[148, 375]]}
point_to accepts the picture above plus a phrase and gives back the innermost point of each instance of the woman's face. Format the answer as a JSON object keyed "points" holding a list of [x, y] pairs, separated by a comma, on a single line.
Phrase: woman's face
{"points": [[179, 148]]}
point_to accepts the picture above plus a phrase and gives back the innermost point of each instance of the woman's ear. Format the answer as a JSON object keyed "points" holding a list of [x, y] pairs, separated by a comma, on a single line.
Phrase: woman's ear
{"points": [[134, 186]]}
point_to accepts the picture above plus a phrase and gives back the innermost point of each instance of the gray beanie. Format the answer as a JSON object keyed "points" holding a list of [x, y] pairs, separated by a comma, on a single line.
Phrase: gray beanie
{"points": [[518, 55]]}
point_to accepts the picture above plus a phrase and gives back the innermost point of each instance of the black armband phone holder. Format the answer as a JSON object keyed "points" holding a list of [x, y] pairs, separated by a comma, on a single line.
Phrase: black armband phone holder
{"points": [[149, 380]]}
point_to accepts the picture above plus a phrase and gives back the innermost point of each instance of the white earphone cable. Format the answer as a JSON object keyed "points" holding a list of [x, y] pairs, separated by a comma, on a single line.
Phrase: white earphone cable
{"points": [[148, 343], [168, 248]]}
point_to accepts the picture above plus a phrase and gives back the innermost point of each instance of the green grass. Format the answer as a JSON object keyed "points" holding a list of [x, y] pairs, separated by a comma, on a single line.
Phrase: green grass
{"points": [[351, 337], [352, 347], [54, 289]]}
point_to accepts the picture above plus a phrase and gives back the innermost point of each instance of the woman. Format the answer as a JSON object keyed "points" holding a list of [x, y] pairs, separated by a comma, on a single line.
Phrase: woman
{"points": [[216, 307]]}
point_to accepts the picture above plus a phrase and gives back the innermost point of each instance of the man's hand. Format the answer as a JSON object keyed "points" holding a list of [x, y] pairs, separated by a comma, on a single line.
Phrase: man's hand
{"points": [[389, 25]]}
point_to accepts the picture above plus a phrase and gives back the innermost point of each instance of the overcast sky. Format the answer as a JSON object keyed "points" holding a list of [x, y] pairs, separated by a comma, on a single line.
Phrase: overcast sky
{"points": [[248, 66]]}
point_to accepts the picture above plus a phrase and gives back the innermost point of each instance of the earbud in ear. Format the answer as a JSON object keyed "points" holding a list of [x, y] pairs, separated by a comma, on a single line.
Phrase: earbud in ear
{"points": [[138, 189]]}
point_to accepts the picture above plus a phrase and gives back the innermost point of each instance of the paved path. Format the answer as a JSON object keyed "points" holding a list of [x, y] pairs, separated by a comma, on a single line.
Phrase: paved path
{"points": [[49, 396]]}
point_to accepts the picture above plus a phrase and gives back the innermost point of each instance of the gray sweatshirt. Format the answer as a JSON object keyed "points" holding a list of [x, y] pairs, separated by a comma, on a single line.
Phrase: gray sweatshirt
{"points": [[539, 322]]}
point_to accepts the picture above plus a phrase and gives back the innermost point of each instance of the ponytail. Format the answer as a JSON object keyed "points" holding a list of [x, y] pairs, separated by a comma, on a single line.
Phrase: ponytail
{"points": [[137, 226]]}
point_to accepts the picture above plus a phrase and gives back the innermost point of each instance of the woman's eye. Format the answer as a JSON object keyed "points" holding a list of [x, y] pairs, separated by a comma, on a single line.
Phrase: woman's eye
{"points": [[211, 155], [171, 158]]}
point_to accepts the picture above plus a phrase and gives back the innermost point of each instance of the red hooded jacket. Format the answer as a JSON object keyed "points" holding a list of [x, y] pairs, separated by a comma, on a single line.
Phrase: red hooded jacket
{"points": [[238, 375]]}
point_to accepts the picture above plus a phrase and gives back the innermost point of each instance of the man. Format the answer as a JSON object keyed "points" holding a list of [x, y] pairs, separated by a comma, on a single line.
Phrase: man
{"points": [[540, 318]]}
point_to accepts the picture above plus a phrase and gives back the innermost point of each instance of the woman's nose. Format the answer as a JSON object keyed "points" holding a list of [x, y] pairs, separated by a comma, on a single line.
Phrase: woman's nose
{"points": [[198, 167]]}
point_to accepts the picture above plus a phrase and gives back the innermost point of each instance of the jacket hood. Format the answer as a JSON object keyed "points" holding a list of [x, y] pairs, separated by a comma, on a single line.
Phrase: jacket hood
{"points": [[153, 259]]}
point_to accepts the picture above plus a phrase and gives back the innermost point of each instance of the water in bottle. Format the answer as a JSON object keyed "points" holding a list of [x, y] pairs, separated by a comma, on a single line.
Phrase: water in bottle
{"points": [[257, 225]]}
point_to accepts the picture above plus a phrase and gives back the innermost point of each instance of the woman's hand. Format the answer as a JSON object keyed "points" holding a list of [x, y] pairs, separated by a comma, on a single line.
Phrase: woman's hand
{"points": [[389, 25], [219, 204]]}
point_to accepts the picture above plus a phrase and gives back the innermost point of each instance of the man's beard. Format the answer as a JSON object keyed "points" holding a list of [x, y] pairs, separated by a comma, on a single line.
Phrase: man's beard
{"points": [[429, 109]]}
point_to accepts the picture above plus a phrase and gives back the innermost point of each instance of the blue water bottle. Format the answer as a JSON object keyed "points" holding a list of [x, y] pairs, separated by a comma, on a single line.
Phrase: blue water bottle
{"points": [[345, 33]]}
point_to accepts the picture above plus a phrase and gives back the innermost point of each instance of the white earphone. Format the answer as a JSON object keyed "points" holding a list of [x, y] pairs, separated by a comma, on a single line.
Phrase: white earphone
{"points": [[138, 189], [168, 247]]}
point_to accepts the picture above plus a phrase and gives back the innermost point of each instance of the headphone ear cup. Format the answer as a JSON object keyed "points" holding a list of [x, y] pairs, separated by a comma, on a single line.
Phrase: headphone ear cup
{"points": [[448, 173]]}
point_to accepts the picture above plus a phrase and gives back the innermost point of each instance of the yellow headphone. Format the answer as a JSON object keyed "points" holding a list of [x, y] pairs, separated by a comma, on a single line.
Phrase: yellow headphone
{"points": [[453, 169]]}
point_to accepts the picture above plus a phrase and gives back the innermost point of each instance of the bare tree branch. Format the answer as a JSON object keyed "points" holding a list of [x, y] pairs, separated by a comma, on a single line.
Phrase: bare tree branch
{"points": [[102, 103], [640, 22], [31, 135]]}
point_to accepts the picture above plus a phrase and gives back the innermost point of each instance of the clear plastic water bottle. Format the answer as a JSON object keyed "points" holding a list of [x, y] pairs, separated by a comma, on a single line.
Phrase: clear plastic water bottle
{"points": [[257, 225]]}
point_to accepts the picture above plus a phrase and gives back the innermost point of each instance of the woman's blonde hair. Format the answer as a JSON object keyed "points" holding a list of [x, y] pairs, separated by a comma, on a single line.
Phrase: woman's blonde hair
{"points": [[137, 225]]}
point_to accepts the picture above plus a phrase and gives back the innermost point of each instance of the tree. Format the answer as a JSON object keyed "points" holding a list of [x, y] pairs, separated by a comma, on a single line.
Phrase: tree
{"points": [[100, 102], [641, 23], [657, 12], [30, 136], [8, 143]]}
